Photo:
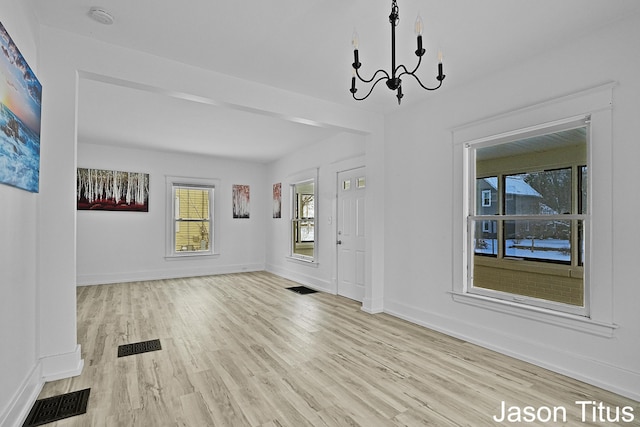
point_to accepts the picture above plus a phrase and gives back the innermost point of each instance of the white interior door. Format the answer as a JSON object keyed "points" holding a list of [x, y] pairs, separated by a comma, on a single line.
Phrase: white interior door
{"points": [[351, 239]]}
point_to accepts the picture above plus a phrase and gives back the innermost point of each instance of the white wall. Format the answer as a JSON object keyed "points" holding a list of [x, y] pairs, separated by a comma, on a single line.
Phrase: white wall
{"points": [[38, 285], [67, 58], [323, 157], [128, 246], [420, 162], [19, 369]]}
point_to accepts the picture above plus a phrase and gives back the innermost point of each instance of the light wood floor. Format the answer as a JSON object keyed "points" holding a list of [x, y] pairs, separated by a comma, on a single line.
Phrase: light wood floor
{"points": [[241, 350]]}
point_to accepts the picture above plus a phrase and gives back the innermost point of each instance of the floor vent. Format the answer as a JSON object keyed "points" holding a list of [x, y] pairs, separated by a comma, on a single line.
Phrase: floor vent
{"points": [[303, 290], [56, 408], [138, 347]]}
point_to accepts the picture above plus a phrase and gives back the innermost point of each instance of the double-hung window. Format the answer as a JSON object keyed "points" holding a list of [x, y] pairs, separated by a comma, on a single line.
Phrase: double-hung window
{"points": [[526, 225], [190, 225], [303, 226], [192, 220], [543, 248]]}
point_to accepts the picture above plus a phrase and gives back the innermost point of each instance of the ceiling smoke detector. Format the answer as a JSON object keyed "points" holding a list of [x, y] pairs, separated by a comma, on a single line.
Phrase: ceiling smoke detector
{"points": [[100, 15]]}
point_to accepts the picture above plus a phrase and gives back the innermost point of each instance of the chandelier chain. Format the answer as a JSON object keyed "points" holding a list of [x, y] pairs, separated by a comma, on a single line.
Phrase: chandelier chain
{"points": [[394, 18]]}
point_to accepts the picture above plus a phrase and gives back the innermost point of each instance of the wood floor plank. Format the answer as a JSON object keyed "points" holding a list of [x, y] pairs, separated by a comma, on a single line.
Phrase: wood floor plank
{"points": [[241, 350]]}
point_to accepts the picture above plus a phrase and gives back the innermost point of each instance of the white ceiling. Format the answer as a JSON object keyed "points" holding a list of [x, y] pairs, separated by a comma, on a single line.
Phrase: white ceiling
{"points": [[302, 46]]}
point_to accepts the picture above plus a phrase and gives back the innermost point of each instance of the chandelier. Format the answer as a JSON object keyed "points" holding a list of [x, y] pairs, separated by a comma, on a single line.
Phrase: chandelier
{"points": [[393, 81]]}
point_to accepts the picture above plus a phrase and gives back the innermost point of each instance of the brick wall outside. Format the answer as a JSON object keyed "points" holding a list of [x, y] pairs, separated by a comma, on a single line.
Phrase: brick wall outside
{"points": [[559, 288]]}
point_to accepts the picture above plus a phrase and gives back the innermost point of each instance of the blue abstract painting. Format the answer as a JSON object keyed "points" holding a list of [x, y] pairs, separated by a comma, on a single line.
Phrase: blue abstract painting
{"points": [[20, 108]]}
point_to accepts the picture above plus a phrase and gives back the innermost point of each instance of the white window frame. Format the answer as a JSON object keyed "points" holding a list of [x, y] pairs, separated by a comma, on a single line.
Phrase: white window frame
{"points": [[597, 103], [170, 244]]}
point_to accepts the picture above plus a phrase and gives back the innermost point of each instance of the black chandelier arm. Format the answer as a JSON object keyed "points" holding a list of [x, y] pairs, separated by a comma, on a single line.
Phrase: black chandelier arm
{"points": [[414, 70], [386, 75], [420, 83], [440, 76], [397, 73], [372, 87]]}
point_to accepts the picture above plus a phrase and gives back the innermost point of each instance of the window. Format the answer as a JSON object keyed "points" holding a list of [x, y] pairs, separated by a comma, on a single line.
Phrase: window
{"points": [[592, 108], [528, 219], [303, 227], [486, 198], [190, 224]]}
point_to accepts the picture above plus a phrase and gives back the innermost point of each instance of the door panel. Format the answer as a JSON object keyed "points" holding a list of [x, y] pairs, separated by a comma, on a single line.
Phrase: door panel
{"points": [[351, 239]]}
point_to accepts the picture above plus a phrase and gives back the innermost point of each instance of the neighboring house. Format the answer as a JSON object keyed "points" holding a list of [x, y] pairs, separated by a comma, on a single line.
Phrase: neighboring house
{"points": [[521, 198]]}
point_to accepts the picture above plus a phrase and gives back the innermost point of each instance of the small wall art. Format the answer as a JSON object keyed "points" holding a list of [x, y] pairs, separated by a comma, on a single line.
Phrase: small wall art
{"points": [[241, 201], [277, 200], [107, 190], [20, 108]]}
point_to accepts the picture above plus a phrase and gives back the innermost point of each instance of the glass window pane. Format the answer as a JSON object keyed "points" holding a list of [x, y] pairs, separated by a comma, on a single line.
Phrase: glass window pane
{"points": [[582, 208], [306, 231], [192, 236], [306, 206], [346, 184], [545, 240], [487, 196], [485, 237], [303, 238], [192, 203], [361, 182], [303, 223], [581, 243], [538, 193]]}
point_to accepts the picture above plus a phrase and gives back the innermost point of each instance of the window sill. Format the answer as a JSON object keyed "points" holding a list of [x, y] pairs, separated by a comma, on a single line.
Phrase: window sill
{"points": [[303, 260], [191, 255], [552, 317]]}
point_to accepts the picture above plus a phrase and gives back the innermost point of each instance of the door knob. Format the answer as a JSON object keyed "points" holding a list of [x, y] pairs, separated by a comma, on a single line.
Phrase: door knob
{"points": [[339, 242]]}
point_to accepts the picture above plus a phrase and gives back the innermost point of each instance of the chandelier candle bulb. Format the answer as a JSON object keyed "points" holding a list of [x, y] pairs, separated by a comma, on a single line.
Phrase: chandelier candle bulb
{"points": [[355, 41], [418, 29], [419, 25]]}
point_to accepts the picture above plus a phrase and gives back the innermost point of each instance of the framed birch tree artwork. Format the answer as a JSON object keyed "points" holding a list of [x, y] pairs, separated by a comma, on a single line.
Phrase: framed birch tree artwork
{"points": [[277, 200], [107, 190], [241, 199]]}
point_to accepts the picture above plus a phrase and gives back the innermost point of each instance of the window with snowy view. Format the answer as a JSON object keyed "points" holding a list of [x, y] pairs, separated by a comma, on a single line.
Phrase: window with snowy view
{"points": [[527, 217]]}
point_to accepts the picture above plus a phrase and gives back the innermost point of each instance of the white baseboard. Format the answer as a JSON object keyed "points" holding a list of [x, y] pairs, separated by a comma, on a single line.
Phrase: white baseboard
{"points": [[48, 368], [373, 306], [61, 366], [594, 372], [23, 400], [177, 273]]}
